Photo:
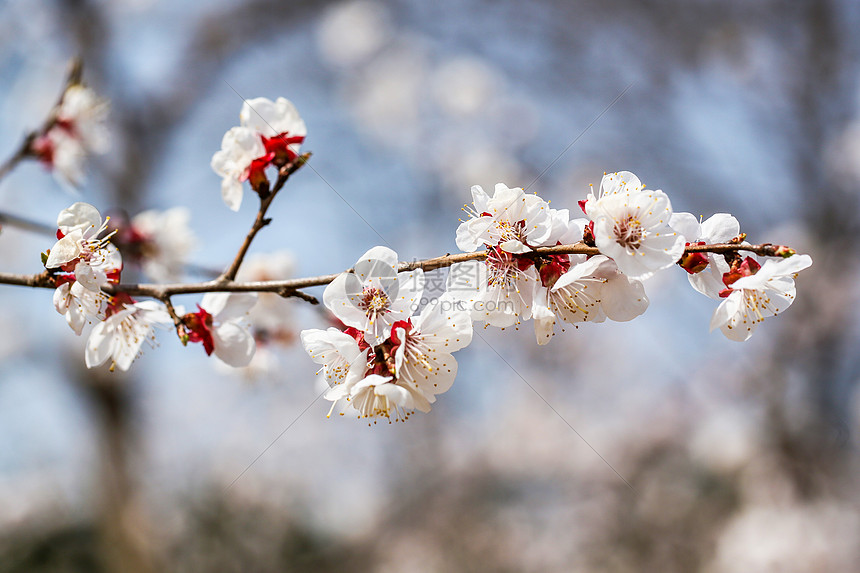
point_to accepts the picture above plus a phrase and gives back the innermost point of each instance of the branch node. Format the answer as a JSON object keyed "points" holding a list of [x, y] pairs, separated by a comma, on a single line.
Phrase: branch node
{"points": [[289, 292]]}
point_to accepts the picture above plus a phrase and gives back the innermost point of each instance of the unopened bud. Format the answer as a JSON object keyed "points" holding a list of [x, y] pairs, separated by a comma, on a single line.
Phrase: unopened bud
{"points": [[693, 262], [588, 234], [784, 252]]}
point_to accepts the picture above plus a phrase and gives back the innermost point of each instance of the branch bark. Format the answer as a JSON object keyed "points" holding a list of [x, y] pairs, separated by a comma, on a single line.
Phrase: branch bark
{"points": [[291, 287], [261, 220]]}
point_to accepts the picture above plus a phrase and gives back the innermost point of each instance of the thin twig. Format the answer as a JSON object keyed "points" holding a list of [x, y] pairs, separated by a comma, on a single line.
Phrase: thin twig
{"points": [[23, 152], [290, 287], [177, 321], [7, 219], [261, 220], [286, 293]]}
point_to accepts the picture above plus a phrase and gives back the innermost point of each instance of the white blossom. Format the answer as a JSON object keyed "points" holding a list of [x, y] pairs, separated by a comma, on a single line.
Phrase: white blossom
{"points": [[83, 247], [338, 353], [79, 305], [631, 225], [620, 183], [64, 154], [573, 297], [622, 298], [84, 114], [273, 118], [377, 396], [423, 359], [221, 325], [270, 134], [375, 295], [348, 367], [239, 148], [79, 128], [121, 335], [496, 291], [718, 228], [511, 219], [757, 296]]}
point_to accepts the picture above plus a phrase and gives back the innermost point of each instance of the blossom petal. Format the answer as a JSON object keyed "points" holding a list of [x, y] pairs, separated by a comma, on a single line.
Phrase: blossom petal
{"points": [[80, 216], [376, 262], [99, 346], [62, 298], [623, 298], [622, 182], [231, 193], [686, 225], [89, 276], [233, 344], [225, 306], [339, 302], [516, 247], [544, 322], [66, 249], [271, 118], [719, 228], [727, 308]]}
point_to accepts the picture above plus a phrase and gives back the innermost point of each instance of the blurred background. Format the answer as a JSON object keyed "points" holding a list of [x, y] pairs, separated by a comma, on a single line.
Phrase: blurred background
{"points": [[741, 457]]}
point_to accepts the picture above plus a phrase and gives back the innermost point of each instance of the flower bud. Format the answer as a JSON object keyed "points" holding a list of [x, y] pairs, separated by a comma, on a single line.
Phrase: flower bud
{"points": [[694, 262]]}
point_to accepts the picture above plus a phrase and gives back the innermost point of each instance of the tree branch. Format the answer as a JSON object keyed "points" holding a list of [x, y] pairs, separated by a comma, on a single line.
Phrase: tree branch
{"points": [[23, 152], [27, 224], [261, 220], [291, 287]]}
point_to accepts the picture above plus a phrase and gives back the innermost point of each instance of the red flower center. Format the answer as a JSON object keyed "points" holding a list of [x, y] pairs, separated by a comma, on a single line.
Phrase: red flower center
{"points": [[747, 268], [199, 325]]}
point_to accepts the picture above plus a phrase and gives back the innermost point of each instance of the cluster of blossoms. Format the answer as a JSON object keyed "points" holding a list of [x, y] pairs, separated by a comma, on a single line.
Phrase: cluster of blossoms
{"points": [[83, 261], [636, 233], [384, 357], [750, 291], [269, 135], [77, 128], [514, 284], [387, 361]]}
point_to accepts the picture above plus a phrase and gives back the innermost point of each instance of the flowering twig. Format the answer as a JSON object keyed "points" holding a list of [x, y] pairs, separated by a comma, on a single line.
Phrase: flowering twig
{"points": [[25, 150], [290, 287], [261, 220], [177, 320]]}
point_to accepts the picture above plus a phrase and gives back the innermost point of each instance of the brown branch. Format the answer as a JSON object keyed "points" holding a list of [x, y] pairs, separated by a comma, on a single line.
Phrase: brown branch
{"points": [[8, 219], [261, 220], [41, 280], [287, 293], [291, 287], [177, 320]]}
